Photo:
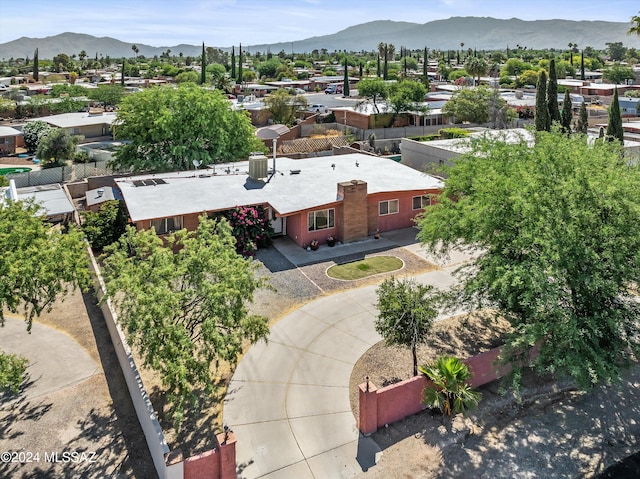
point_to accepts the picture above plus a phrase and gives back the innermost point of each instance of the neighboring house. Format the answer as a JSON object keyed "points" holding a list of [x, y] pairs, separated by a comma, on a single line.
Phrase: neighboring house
{"points": [[87, 124], [348, 197], [427, 155], [629, 106], [10, 138], [53, 199]]}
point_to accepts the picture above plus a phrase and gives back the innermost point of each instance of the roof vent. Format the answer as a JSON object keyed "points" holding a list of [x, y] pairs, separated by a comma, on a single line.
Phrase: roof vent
{"points": [[294, 172], [258, 167]]}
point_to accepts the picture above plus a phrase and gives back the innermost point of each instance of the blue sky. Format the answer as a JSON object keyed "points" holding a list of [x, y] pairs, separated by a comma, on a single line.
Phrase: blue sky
{"points": [[229, 22]]}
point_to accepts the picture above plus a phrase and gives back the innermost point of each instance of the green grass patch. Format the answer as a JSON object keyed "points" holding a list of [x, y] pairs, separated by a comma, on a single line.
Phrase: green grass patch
{"points": [[365, 267]]}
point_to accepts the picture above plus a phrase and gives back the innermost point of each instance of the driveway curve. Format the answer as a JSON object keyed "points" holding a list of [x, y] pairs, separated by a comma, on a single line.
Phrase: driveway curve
{"points": [[288, 401]]}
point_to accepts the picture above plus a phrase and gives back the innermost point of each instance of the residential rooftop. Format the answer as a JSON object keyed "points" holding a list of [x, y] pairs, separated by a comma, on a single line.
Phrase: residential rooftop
{"points": [[296, 185]]}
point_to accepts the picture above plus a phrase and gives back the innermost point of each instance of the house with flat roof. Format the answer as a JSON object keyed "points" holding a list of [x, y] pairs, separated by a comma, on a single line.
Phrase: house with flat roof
{"points": [[427, 155], [55, 204], [348, 197], [87, 124], [10, 138]]}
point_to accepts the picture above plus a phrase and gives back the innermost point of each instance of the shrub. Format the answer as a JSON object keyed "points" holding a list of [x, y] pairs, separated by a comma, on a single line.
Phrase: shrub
{"points": [[12, 370], [251, 227], [81, 157], [105, 227], [448, 133], [451, 393]]}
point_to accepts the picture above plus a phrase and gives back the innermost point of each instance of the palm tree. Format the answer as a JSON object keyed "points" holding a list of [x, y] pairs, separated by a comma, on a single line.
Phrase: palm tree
{"points": [[635, 28], [476, 67], [451, 393]]}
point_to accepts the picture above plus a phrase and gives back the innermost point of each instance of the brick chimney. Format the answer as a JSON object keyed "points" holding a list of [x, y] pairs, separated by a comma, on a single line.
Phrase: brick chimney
{"points": [[354, 210]]}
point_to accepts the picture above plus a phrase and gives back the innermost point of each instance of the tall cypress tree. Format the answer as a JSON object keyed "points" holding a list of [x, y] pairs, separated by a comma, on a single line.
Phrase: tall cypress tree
{"points": [[567, 113], [122, 72], [233, 62], [345, 86], [614, 127], [582, 124], [385, 71], [240, 64], [36, 70], [542, 120], [582, 76], [378, 72], [425, 68], [203, 66], [552, 92]]}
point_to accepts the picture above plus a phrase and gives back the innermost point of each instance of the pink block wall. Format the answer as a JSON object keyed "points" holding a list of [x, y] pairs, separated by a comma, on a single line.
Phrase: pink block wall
{"points": [[219, 463], [400, 400], [203, 466], [397, 401]]}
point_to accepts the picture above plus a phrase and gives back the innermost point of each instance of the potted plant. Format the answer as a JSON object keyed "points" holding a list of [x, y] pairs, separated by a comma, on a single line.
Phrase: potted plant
{"points": [[331, 241], [314, 245]]}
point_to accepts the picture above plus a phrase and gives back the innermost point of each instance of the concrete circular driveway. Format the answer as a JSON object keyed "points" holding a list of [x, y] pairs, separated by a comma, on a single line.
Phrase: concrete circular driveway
{"points": [[288, 401]]}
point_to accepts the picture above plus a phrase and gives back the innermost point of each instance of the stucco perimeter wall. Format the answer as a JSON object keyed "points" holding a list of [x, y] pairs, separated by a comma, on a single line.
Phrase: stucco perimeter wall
{"points": [[219, 463], [397, 401]]}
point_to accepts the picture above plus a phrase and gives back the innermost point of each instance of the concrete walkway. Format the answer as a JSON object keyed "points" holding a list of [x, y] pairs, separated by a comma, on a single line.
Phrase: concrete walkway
{"points": [[288, 401]]}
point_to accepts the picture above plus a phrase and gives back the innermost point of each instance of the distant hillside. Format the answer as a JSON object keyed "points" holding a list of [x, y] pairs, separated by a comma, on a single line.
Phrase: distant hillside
{"points": [[483, 33]]}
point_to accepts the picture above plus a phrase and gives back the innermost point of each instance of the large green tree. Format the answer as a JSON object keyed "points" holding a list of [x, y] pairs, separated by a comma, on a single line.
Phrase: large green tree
{"points": [[474, 105], [33, 131], [617, 73], [542, 119], [38, 263], [183, 303], [169, 128], [557, 227], [108, 94], [283, 106], [406, 311], [408, 95], [552, 93], [614, 126], [373, 90], [56, 147]]}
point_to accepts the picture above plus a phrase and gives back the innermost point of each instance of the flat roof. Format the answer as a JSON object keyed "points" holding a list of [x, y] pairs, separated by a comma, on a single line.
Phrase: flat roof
{"points": [[70, 120], [297, 185], [51, 198], [461, 145], [9, 131]]}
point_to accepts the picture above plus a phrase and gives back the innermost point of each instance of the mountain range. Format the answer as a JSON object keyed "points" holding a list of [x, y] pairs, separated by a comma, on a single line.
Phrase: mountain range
{"points": [[483, 33]]}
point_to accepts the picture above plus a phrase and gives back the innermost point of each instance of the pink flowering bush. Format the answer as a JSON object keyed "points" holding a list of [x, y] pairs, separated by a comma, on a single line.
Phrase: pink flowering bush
{"points": [[251, 228]]}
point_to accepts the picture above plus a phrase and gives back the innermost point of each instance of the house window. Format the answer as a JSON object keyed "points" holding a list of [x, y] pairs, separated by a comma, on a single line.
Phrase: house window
{"points": [[420, 202], [321, 219], [166, 225], [389, 207]]}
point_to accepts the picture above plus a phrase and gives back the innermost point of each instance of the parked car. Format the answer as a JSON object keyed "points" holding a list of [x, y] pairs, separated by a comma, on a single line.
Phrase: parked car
{"points": [[318, 108], [333, 89]]}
